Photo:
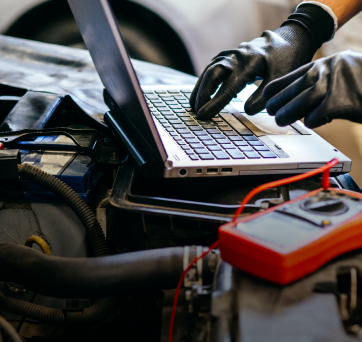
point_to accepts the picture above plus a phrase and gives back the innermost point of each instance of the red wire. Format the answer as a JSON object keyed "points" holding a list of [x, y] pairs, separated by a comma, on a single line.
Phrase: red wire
{"points": [[174, 306], [325, 184]]}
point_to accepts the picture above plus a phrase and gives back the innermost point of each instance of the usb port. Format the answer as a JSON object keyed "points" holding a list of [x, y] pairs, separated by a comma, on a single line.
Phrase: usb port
{"points": [[226, 170], [199, 171], [212, 171]]}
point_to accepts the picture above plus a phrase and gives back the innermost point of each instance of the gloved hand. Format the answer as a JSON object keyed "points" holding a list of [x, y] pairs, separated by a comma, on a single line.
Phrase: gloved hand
{"points": [[271, 56], [329, 88]]}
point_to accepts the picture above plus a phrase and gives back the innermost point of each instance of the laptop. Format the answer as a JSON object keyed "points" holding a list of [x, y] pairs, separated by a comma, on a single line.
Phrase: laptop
{"points": [[161, 133]]}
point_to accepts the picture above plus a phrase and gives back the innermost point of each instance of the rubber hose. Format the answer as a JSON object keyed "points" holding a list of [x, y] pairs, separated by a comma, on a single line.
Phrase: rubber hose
{"points": [[34, 311], [95, 236], [107, 276]]}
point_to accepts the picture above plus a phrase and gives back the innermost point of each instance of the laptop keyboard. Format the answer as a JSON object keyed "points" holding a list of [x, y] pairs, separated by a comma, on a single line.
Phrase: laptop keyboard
{"points": [[223, 137]]}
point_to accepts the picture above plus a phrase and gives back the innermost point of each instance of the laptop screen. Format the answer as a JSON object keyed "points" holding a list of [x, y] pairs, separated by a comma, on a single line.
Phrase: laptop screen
{"points": [[100, 31]]}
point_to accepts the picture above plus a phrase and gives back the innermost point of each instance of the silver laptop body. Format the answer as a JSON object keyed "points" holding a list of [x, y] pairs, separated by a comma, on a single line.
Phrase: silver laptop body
{"points": [[243, 145]]}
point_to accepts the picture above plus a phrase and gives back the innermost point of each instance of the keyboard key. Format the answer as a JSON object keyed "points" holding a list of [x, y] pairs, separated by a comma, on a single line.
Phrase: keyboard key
{"points": [[192, 141], [181, 115], [236, 154], [148, 92], [196, 128], [235, 138], [193, 157], [230, 133], [171, 116], [200, 133], [174, 134], [189, 109], [209, 142], [189, 151], [223, 141], [176, 106], [181, 110], [161, 106], [185, 147], [166, 125], [179, 126], [256, 143], [214, 148], [252, 155], [197, 145], [220, 155], [170, 130], [174, 92], [241, 143], [180, 97], [188, 119], [218, 136], [206, 156], [187, 135], [181, 142], [172, 103], [162, 121], [177, 138], [228, 146], [182, 131], [166, 97], [161, 91], [246, 149], [190, 123], [201, 150], [204, 137], [266, 154], [175, 121], [184, 101], [151, 96], [261, 148], [213, 131], [207, 126], [251, 138], [217, 120], [224, 128], [166, 112]]}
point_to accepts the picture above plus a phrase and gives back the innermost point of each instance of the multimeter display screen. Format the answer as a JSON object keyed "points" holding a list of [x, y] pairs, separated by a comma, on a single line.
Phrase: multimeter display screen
{"points": [[279, 229]]}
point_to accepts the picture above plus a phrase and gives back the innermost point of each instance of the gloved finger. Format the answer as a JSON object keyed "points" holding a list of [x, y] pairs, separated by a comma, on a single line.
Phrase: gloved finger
{"points": [[256, 102], [317, 117], [195, 91], [223, 96], [299, 107], [214, 76], [290, 92], [276, 86]]}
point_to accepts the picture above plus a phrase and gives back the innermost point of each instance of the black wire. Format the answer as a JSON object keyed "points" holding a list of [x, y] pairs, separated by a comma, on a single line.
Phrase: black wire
{"points": [[10, 330]]}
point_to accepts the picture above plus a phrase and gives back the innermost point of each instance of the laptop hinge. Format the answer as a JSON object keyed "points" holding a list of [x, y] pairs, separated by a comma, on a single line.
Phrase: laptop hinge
{"points": [[130, 138]]}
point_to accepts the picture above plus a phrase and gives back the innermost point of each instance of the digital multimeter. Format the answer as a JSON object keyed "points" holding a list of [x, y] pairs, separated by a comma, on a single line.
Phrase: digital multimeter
{"points": [[289, 241]]}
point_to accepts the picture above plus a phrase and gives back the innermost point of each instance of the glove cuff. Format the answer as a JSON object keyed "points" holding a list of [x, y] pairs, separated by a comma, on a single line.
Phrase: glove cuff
{"points": [[317, 25]]}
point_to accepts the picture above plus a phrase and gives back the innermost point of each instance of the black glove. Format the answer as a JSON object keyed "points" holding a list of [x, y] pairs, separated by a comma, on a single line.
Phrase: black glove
{"points": [[329, 88], [271, 56]]}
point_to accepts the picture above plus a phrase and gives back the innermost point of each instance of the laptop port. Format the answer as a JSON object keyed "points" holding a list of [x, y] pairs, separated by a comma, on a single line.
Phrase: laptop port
{"points": [[199, 171], [212, 171], [226, 170], [183, 172]]}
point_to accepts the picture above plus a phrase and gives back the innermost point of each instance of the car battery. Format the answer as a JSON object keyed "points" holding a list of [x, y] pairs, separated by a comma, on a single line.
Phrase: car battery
{"points": [[73, 168]]}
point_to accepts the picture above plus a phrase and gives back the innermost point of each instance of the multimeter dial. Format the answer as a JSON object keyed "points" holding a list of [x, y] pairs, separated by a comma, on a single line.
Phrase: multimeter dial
{"points": [[326, 203]]}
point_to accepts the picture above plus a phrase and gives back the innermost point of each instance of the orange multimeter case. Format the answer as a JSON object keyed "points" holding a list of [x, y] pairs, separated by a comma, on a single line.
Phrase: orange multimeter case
{"points": [[291, 240]]}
